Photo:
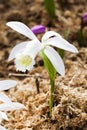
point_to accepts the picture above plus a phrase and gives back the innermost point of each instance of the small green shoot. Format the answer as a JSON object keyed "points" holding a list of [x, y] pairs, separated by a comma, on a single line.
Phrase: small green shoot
{"points": [[50, 7]]}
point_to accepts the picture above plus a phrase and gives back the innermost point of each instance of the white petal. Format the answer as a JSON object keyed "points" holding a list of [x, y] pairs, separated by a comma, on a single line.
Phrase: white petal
{"points": [[4, 98], [17, 106], [49, 34], [29, 46], [3, 115], [61, 43], [21, 28], [12, 106], [7, 84], [2, 128], [18, 48], [55, 59], [33, 48]]}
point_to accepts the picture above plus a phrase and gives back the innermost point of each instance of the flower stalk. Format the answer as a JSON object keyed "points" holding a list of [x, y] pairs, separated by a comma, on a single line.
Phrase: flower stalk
{"points": [[52, 82], [52, 73]]}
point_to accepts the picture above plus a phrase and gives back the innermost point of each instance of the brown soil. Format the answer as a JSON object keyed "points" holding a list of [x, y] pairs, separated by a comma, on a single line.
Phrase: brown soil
{"points": [[70, 97]]}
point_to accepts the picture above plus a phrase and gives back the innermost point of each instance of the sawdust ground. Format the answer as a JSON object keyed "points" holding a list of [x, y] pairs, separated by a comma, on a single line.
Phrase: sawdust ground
{"points": [[70, 96]]}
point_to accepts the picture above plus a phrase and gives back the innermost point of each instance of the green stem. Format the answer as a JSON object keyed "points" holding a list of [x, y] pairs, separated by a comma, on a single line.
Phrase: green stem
{"points": [[80, 38], [51, 95], [52, 73]]}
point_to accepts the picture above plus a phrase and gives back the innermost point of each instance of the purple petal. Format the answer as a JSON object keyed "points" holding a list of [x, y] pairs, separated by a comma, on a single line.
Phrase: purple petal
{"points": [[84, 17], [38, 29]]}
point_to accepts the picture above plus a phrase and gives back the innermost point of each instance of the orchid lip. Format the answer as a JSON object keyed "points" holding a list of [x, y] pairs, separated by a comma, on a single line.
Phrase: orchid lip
{"points": [[24, 62]]}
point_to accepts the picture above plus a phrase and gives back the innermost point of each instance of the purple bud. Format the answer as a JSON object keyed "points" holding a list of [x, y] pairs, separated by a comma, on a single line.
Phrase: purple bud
{"points": [[84, 17], [38, 29]]}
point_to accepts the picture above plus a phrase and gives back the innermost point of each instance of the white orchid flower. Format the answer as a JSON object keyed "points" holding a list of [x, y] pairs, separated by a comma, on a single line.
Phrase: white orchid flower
{"points": [[49, 39], [7, 104], [7, 84]]}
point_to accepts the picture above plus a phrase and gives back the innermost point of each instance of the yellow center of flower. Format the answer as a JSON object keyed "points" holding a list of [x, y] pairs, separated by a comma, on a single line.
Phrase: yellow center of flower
{"points": [[25, 60]]}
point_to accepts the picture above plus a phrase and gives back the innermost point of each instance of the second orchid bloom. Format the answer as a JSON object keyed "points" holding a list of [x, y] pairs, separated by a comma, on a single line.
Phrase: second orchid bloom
{"points": [[25, 52]]}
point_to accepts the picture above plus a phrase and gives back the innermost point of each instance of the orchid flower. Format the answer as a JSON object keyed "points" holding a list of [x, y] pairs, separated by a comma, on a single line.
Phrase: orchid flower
{"points": [[3, 115], [82, 31], [25, 52], [7, 104], [33, 47], [84, 18]]}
